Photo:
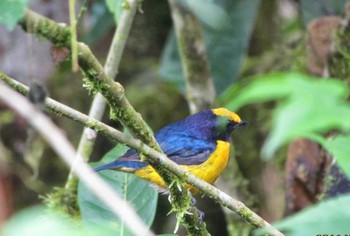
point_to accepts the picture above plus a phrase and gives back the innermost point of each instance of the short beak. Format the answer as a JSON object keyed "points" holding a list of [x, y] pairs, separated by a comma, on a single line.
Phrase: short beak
{"points": [[241, 124], [234, 125]]}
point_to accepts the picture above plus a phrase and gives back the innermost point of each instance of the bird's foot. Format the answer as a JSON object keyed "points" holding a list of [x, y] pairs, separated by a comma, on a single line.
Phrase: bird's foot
{"points": [[193, 209], [200, 214]]}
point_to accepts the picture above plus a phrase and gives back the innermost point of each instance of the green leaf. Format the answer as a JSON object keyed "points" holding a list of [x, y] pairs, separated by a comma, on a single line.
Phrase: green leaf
{"points": [[307, 106], [209, 12], [262, 89], [102, 21], [38, 221], [282, 85], [114, 153], [227, 26], [116, 8], [11, 11], [329, 217], [317, 107], [136, 191], [316, 9], [340, 149], [170, 65]]}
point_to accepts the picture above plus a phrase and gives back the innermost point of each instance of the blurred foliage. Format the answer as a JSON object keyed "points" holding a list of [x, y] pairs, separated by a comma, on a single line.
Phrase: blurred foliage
{"points": [[225, 45], [156, 96], [116, 8], [308, 107], [11, 11], [101, 22], [339, 148], [6, 117], [43, 223], [329, 217], [315, 9]]}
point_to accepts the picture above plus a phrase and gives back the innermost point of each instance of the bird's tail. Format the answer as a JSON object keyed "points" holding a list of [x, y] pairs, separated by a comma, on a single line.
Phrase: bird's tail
{"points": [[123, 165]]}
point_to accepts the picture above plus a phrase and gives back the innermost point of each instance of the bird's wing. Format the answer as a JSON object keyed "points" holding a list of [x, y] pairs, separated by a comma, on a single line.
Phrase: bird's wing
{"points": [[186, 150], [182, 149]]}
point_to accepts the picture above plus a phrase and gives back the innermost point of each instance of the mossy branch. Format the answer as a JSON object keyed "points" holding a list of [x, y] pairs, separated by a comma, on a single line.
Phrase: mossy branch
{"points": [[199, 84], [157, 157], [98, 105], [97, 81]]}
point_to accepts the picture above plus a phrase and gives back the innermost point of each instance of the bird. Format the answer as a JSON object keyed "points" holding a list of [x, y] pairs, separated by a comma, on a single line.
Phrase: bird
{"points": [[199, 143]]}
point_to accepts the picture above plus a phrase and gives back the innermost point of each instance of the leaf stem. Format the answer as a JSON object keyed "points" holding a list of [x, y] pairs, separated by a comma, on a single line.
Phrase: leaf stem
{"points": [[73, 30]]}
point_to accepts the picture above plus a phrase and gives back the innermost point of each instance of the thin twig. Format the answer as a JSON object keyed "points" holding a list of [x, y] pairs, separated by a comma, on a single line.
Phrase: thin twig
{"points": [[55, 137], [214, 193], [73, 30], [82, 11]]}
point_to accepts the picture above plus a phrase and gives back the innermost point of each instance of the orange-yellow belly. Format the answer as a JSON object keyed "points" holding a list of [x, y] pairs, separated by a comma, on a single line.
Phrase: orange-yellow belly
{"points": [[209, 170]]}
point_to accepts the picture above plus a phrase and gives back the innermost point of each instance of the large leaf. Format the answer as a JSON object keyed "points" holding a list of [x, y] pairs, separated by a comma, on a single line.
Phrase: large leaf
{"points": [[314, 107], [116, 8], [102, 21], [315, 9], [136, 191], [307, 106], [281, 85], [340, 149], [227, 26], [209, 12], [329, 217], [38, 221], [11, 11]]}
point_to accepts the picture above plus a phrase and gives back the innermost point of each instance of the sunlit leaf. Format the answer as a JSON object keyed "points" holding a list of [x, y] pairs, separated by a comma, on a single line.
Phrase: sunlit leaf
{"points": [[38, 221], [340, 149], [329, 217], [306, 106], [282, 85], [319, 107]]}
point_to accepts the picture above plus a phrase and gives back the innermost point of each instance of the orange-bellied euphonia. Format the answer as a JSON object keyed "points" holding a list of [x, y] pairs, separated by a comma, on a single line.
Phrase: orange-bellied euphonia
{"points": [[199, 143]]}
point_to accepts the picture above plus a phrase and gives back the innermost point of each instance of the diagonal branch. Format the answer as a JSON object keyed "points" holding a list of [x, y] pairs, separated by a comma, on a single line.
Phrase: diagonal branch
{"points": [[214, 193]]}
